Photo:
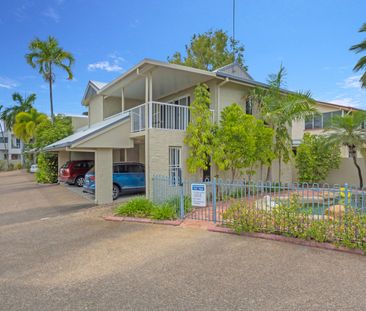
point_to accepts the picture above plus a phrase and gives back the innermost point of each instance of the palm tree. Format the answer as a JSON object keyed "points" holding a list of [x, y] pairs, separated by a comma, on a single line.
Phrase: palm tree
{"points": [[347, 131], [26, 124], [2, 131], [361, 64], [45, 56], [278, 109], [22, 104]]}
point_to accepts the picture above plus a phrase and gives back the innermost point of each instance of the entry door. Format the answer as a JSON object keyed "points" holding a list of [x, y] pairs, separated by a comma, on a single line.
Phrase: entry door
{"points": [[206, 176]]}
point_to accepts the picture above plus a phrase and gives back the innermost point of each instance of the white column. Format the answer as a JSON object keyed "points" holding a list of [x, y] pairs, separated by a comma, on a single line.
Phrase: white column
{"points": [[123, 99], [63, 157], [103, 176], [150, 87]]}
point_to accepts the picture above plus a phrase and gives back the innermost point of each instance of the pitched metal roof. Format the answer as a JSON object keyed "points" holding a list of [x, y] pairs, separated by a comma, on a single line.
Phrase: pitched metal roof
{"points": [[98, 84], [87, 132], [233, 70]]}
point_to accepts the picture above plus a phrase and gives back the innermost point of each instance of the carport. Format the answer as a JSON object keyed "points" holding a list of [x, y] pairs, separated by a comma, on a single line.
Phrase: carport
{"points": [[103, 140]]}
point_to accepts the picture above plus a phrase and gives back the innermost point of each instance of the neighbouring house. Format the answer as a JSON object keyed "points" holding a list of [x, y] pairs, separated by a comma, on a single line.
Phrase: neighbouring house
{"points": [[346, 173], [10, 147], [143, 115]]}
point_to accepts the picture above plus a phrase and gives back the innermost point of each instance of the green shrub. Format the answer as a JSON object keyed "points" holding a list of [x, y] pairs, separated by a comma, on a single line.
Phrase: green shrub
{"points": [[18, 166], [10, 167], [175, 202], [164, 212], [318, 230], [142, 207], [294, 221], [2, 165], [47, 168], [137, 207]]}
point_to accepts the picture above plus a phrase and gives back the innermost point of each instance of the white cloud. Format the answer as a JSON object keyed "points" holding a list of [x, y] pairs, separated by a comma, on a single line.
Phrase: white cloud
{"points": [[117, 59], [352, 82], [21, 12], [52, 14], [105, 65], [346, 101], [114, 65], [7, 83]]}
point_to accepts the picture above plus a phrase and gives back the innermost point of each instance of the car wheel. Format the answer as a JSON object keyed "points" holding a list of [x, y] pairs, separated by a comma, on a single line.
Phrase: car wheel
{"points": [[115, 192], [79, 181]]}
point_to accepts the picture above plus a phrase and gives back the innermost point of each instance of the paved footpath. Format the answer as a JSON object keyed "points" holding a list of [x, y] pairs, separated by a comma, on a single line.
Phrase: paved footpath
{"points": [[57, 253]]}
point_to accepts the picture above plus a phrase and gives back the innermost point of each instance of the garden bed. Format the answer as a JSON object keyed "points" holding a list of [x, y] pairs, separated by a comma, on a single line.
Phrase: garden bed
{"points": [[343, 226], [281, 238]]}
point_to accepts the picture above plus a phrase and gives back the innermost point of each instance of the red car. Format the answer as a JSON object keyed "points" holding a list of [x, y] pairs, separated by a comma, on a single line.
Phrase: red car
{"points": [[73, 172]]}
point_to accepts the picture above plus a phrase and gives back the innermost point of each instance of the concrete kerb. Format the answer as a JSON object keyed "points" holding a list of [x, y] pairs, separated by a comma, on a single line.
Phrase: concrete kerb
{"points": [[143, 220], [280, 238]]}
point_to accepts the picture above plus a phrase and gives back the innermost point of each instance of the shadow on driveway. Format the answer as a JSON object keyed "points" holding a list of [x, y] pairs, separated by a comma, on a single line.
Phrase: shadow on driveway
{"points": [[23, 200], [16, 217]]}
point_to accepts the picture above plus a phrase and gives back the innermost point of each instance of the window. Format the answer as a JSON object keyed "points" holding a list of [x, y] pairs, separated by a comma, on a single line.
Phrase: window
{"points": [[116, 168], [2, 140], [175, 168], [320, 121], [15, 156], [308, 123]]}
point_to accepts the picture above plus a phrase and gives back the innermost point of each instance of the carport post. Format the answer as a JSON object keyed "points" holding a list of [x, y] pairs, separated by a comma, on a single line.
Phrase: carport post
{"points": [[103, 176], [62, 158]]}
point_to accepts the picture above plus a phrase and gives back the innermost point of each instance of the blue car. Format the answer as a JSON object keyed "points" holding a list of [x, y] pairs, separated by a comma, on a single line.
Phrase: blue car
{"points": [[128, 177]]}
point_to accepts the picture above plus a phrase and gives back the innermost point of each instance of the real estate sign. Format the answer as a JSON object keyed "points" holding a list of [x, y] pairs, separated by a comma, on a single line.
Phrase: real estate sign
{"points": [[198, 195]]}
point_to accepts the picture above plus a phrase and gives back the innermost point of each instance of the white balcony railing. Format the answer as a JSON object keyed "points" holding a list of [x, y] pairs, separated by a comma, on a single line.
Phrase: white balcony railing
{"points": [[137, 115], [160, 115]]}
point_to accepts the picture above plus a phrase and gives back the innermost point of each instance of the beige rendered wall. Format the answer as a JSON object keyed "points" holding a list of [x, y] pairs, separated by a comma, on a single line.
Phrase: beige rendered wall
{"points": [[130, 103], [298, 127], [95, 109], [117, 137], [111, 106], [230, 93], [75, 155], [78, 122], [103, 176], [190, 92], [158, 160]]}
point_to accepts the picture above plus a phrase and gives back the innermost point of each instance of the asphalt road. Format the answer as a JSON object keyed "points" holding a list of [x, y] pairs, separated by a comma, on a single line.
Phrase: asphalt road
{"points": [[74, 260]]}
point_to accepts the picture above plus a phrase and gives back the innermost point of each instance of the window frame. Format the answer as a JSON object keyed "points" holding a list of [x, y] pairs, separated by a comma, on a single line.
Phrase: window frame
{"points": [[310, 121], [175, 165]]}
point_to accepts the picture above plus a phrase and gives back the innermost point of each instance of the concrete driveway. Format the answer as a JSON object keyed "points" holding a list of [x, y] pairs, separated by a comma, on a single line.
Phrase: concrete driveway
{"points": [[74, 260]]}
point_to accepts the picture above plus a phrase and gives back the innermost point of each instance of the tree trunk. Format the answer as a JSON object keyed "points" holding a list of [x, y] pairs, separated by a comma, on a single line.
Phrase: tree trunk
{"points": [[51, 96], [354, 157], [269, 173], [279, 169], [261, 177], [232, 175]]}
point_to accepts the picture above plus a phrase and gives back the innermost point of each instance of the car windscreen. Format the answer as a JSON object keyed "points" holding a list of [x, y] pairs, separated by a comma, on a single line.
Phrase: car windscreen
{"points": [[91, 171], [66, 164]]}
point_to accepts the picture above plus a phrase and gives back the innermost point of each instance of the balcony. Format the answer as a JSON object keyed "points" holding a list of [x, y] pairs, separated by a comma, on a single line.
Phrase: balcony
{"points": [[160, 115]]}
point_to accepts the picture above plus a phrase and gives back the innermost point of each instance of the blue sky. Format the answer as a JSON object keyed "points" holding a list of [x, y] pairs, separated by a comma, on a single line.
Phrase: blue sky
{"points": [[311, 38]]}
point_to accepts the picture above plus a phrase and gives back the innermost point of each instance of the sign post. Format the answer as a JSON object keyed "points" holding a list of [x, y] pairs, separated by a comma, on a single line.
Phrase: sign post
{"points": [[198, 195]]}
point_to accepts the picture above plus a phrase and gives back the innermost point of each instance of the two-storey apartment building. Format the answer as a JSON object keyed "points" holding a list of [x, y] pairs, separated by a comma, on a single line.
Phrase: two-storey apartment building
{"points": [[143, 115], [10, 146]]}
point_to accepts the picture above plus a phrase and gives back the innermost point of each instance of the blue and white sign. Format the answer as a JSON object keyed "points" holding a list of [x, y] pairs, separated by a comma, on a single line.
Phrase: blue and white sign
{"points": [[198, 195]]}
